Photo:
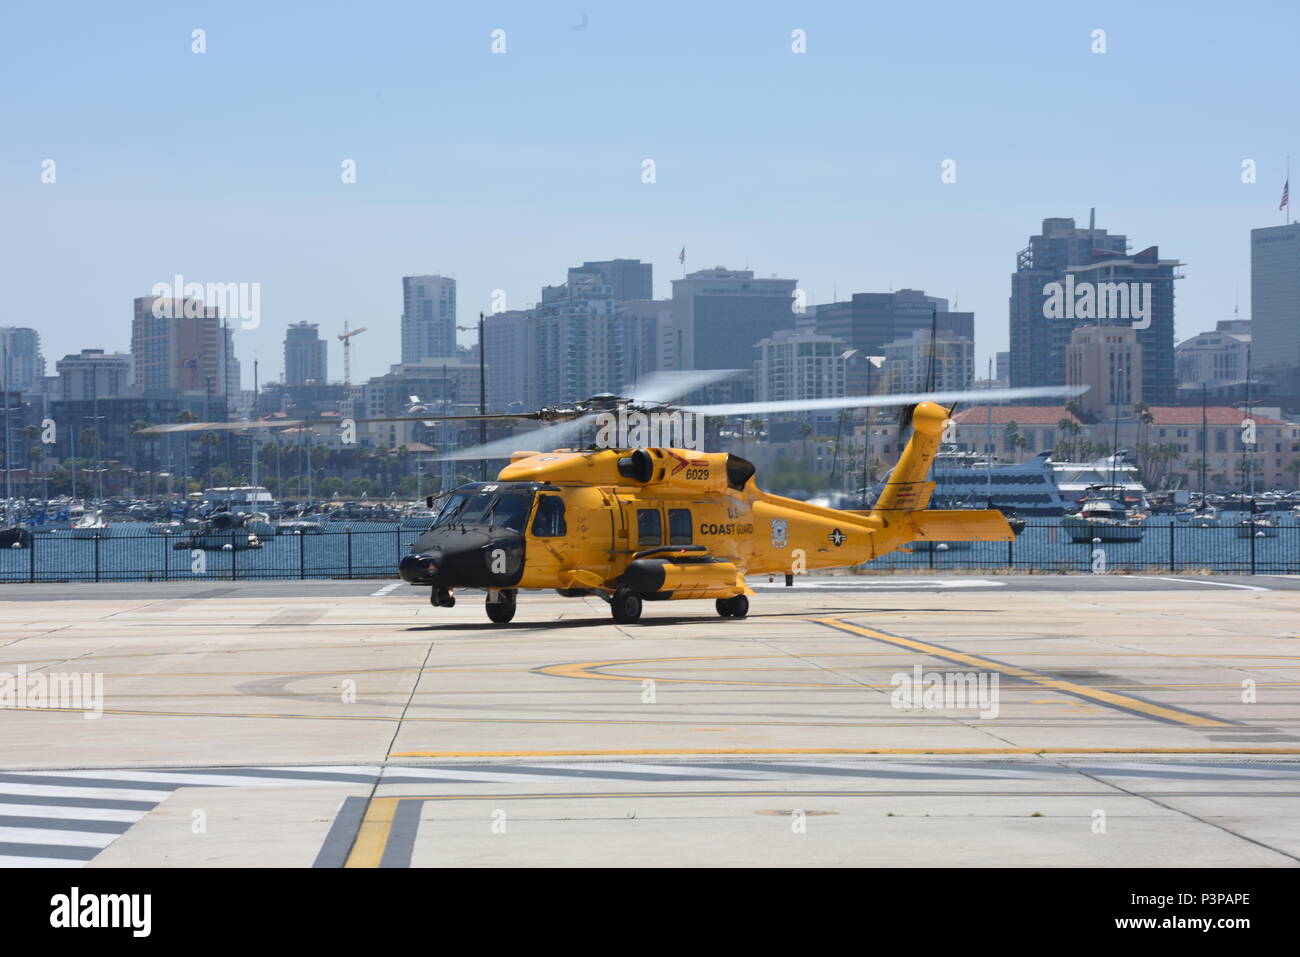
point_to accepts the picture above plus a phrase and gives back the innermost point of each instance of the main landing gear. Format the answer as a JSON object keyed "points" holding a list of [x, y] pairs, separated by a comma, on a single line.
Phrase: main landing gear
{"points": [[442, 598], [501, 604], [626, 606], [737, 607]]}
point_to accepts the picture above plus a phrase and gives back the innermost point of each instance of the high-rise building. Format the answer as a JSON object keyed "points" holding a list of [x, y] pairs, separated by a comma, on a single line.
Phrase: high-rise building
{"points": [[723, 313], [509, 360], [1215, 360], [428, 317], [24, 366], [1275, 297], [798, 364], [1071, 277], [1108, 359], [93, 374], [579, 343], [306, 355], [179, 346], [626, 278], [870, 320], [917, 363], [1037, 344]]}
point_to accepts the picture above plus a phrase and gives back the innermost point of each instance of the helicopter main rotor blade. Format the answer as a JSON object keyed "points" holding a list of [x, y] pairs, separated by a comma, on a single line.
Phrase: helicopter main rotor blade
{"points": [[876, 401], [316, 423], [661, 388], [539, 440]]}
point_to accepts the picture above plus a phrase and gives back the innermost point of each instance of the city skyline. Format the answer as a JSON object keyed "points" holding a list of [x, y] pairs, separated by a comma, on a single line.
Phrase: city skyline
{"points": [[831, 177]]}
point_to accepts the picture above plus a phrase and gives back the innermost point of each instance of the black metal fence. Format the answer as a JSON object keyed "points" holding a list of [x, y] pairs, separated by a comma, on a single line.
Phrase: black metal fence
{"points": [[127, 554], [1163, 547]]}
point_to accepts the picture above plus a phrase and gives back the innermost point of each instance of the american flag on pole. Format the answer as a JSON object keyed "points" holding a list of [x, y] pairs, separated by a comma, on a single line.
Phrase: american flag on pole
{"points": [[681, 258], [1286, 195]]}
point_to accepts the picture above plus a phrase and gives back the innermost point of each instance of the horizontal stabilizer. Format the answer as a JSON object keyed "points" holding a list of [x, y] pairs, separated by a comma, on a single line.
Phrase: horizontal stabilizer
{"points": [[961, 525]]}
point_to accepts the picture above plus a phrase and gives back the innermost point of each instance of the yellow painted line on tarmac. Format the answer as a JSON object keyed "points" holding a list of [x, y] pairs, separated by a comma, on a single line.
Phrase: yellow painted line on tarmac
{"points": [[660, 752], [587, 669], [1124, 702], [372, 836]]}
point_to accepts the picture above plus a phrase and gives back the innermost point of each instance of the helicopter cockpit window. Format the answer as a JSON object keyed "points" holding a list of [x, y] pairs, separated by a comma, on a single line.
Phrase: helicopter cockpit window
{"points": [[493, 509], [649, 527], [510, 510], [549, 521]]}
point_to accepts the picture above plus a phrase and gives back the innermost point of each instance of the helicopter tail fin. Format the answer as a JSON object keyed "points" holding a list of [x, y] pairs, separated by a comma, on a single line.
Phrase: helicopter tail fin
{"points": [[907, 489]]}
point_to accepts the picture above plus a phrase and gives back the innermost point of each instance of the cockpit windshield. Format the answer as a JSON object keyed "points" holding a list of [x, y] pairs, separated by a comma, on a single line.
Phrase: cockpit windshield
{"points": [[490, 509]]}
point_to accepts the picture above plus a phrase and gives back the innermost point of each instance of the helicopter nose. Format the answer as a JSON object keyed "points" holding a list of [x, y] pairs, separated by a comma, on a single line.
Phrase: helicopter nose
{"points": [[418, 569]]}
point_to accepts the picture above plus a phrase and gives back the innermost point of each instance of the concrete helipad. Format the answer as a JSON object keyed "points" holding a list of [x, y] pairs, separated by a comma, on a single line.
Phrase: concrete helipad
{"points": [[1083, 721]]}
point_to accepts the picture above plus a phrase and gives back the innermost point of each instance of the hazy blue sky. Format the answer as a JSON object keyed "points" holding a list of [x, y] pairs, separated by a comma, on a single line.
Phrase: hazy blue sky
{"points": [[504, 170]]}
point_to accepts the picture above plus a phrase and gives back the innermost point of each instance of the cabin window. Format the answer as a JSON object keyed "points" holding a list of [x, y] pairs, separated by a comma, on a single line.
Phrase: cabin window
{"points": [[549, 520], [649, 527], [679, 526]]}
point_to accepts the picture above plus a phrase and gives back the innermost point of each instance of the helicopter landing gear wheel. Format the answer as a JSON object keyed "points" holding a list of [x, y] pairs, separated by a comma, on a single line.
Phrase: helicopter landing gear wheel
{"points": [[503, 608], [737, 607], [442, 598], [626, 606]]}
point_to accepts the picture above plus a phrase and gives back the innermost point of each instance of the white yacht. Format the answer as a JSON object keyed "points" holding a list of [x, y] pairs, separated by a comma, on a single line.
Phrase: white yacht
{"points": [[1106, 516], [1039, 486]]}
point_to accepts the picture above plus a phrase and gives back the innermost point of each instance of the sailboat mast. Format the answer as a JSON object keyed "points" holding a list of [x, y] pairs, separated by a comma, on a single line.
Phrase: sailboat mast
{"points": [[1205, 444], [988, 406]]}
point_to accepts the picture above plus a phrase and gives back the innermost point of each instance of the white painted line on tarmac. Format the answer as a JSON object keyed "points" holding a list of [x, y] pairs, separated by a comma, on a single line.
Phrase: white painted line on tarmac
{"points": [[1199, 581], [39, 862], [51, 790], [70, 813], [856, 584], [38, 835], [385, 590]]}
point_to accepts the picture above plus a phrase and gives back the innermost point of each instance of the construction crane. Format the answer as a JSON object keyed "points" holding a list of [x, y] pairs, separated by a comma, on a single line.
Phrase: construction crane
{"points": [[346, 339]]}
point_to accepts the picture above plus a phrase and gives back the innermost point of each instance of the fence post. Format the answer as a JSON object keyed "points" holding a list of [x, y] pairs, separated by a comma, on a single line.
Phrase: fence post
{"points": [[1252, 549], [234, 558], [302, 561], [97, 556], [31, 557], [1172, 523], [167, 554], [349, 531], [1011, 544]]}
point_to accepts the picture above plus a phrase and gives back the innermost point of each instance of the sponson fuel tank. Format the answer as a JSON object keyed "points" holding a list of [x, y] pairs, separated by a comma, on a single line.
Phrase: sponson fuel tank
{"points": [[683, 578]]}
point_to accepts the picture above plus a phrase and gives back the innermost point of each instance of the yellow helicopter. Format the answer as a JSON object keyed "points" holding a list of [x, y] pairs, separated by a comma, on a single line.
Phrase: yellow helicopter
{"points": [[636, 524]]}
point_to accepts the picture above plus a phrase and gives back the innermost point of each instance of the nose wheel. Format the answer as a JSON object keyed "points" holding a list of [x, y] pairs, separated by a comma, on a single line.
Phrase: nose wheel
{"points": [[442, 598], [501, 604], [737, 607]]}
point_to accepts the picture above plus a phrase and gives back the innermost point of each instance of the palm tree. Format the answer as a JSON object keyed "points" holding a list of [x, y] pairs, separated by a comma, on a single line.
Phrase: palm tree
{"points": [[1294, 468], [208, 440], [134, 430], [29, 432], [1145, 420], [805, 430], [1014, 439], [1068, 427], [37, 456]]}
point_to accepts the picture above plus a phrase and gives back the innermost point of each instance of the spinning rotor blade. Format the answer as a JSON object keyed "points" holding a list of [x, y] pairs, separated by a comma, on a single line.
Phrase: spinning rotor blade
{"points": [[316, 423], [539, 440], [870, 401], [661, 388]]}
